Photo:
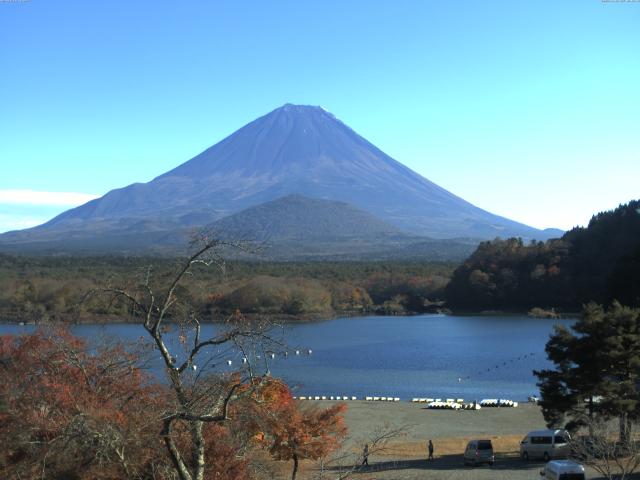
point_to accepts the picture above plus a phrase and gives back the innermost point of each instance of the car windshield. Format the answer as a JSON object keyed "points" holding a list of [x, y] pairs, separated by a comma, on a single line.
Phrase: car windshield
{"points": [[560, 439], [484, 445]]}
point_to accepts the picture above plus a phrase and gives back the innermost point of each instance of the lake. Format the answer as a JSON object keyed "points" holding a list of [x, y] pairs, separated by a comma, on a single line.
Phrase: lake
{"points": [[439, 356]]}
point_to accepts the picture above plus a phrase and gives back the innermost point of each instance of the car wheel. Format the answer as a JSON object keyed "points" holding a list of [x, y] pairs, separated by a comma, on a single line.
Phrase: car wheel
{"points": [[525, 456], [546, 457]]}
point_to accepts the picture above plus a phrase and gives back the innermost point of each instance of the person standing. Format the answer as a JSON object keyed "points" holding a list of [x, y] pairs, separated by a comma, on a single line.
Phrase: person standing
{"points": [[430, 448], [365, 455]]}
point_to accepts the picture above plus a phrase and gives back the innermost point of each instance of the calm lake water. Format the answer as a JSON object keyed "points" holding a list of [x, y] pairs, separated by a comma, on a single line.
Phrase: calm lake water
{"points": [[470, 357]]}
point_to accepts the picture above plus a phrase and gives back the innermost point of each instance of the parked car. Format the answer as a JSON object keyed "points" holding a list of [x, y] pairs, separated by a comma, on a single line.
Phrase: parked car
{"points": [[562, 470], [545, 444], [479, 452]]}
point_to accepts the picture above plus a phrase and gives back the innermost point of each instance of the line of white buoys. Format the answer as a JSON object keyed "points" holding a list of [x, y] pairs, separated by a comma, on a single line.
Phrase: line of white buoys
{"points": [[272, 355]]}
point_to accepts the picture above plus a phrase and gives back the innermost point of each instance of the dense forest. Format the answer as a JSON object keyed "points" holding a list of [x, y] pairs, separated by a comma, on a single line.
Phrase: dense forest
{"points": [[598, 263], [46, 289]]}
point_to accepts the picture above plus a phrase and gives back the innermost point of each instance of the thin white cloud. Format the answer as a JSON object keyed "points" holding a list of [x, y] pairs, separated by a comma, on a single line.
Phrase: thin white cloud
{"points": [[10, 222], [35, 197]]}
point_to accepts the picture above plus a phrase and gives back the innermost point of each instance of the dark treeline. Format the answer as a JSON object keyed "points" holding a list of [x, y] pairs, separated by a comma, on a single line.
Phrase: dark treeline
{"points": [[35, 289], [598, 263]]}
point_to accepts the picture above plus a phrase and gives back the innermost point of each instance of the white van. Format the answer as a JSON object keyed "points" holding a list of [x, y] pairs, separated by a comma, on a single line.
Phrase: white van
{"points": [[545, 444], [563, 470]]}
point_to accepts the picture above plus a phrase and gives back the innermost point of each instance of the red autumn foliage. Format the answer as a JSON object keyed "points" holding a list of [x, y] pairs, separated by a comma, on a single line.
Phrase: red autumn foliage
{"points": [[74, 412], [71, 412], [294, 432], [68, 413]]}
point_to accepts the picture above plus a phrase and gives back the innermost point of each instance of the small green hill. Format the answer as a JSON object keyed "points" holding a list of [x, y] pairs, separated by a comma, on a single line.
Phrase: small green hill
{"points": [[299, 218], [296, 227]]}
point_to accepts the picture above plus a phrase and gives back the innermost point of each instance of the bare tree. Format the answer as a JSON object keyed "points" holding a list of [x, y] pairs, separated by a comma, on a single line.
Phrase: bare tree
{"points": [[348, 460], [201, 392], [602, 451]]}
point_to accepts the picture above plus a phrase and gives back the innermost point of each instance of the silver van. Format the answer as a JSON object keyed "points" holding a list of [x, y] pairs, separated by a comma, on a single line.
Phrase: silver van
{"points": [[479, 452], [545, 444], [562, 470]]}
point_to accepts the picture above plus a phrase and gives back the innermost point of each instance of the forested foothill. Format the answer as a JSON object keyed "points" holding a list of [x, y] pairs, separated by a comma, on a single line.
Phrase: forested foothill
{"points": [[599, 263], [53, 289]]}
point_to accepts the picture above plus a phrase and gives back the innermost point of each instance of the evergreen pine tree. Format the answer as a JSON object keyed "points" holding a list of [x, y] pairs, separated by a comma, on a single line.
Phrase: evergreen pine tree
{"points": [[597, 364]]}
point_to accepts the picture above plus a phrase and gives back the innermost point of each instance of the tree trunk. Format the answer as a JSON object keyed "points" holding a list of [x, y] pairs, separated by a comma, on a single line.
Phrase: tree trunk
{"points": [[174, 453], [590, 408], [625, 427], [295, 467], [198, 449]]}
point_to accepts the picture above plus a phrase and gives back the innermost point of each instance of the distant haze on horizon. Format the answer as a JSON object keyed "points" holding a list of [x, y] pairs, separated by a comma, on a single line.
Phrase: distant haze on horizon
{"points": [[528, 111]]}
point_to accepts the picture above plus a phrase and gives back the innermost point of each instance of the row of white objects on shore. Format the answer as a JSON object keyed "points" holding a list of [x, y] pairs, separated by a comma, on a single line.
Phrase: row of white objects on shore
{"points": [[324, 397], [435, 403], [498, 402], [447, 403], [431, 400], [444, 405]]}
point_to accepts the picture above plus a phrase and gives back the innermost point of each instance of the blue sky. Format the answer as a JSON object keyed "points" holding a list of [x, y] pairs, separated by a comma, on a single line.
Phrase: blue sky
{"points": [[529, 109]]}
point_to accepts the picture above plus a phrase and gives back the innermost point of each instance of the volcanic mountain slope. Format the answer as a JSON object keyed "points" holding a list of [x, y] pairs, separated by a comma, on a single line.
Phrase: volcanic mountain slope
{"points": [[292, 150], [289, 228]]}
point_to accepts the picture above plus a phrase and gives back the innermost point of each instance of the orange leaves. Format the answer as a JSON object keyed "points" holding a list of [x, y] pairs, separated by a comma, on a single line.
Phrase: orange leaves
{"points": [[70, 404], [305, 432], [93, 412]]}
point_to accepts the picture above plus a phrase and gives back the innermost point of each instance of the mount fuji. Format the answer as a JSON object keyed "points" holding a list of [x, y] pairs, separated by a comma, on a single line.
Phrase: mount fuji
{"points": [[293, 150]]}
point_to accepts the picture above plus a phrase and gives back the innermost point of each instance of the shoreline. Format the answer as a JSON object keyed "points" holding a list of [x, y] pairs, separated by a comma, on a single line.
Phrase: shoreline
{"points": [[275, 318]]}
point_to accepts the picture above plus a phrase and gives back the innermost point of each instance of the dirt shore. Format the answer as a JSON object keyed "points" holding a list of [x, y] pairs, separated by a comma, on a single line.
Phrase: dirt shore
{"points": [[405, 456]]}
